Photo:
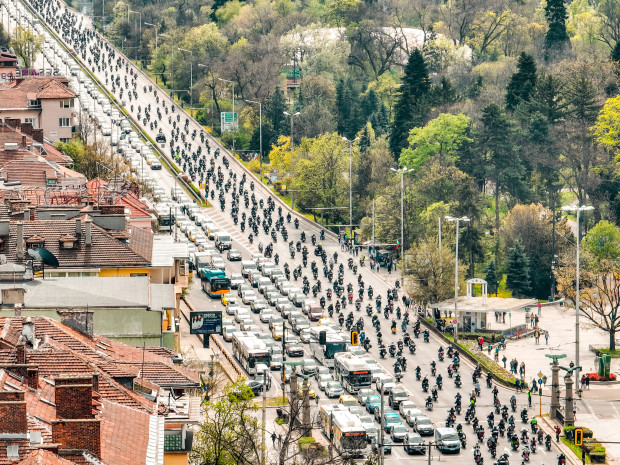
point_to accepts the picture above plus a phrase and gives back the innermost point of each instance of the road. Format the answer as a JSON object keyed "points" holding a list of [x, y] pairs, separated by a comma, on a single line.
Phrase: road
{"points": [[101, 59]]}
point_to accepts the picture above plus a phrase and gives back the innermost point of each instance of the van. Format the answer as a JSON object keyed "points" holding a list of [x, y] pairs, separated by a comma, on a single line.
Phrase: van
{"points": [[223, 241], [447, 440]]}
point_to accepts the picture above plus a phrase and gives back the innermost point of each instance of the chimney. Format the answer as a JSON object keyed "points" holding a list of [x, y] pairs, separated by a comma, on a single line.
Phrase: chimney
{"points": [[33, 377], [13, 418], [78, 227], [20, 240], [37, 135], [88, 236], [24, 143], [26, 214], [4, 227], [81, 321], [20, 353]]}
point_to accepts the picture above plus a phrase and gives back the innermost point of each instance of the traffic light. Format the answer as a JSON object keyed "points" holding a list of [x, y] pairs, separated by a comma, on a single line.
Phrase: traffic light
{"points": [[579, 436], [355, 338]]}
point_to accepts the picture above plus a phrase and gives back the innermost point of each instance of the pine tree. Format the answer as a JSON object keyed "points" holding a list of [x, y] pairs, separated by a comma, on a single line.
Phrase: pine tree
{"points": [[548, 99], [522, 82], [491, 278], [274, 112], [379, 120], [517, 272], [412, 108], [556, 38], [445, 93], [370, 104], [582, 100]]}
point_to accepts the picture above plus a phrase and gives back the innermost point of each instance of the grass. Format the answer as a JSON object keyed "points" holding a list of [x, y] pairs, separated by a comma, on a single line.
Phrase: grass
{"points": [[613, 353], [574, 449], [277, 402]]}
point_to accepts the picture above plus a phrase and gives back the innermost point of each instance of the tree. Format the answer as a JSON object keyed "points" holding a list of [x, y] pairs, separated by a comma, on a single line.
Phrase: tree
{"points": [[274, 111], [607, 127], [522, 82], [412, 107], [5, 38], [429, 272], [27, 44], [517, 272], [548, 99], [442, 137], [491, 278], [600, 279], [556, 39]]}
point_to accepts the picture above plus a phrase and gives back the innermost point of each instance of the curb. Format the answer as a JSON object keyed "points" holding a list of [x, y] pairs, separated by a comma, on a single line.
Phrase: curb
{"points": [[547, 426]]}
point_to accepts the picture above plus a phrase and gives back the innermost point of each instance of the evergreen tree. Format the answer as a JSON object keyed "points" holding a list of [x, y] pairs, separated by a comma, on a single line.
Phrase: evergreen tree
{"points": [[274, 113], [522, 82], [379, 120], [349, 115], [445, 93], [491, 278], [517, 272], [582, 100], [370, 104], [556, 38], [615, 53], [412, 108], [548, 99]]}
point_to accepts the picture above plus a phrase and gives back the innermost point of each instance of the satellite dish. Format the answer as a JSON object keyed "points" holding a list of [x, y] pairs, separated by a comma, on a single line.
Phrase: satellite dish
{"points": [[44, 256], [2, 259]]}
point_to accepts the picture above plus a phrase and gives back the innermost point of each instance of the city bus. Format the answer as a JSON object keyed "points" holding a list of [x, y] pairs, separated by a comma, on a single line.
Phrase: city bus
{"points": [[165, 217], [352, 372], [334, 343], [344, 430], [214, 282], [250, 351]]}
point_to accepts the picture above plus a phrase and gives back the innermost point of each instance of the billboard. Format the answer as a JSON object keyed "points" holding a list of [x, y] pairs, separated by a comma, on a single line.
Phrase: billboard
{"points": [[205, 322], [229, 121]]}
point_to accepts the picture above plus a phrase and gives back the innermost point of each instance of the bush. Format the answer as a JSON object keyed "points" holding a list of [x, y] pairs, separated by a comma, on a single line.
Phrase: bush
{"points": [[596, 377], [590, 444], [304, 443], [598, 455]]}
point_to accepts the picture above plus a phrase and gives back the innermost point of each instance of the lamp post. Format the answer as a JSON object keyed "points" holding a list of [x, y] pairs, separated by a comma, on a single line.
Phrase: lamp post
{"points": [[140, 33], [456, 272], [290, 115], [153, 25], [351, 185], [575, 208], [191, 78], [260, 134], [233, 108], [402, 172]]}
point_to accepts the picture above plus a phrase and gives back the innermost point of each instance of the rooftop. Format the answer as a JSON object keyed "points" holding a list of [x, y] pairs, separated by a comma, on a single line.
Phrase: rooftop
{"points": [[16, 94], [165, 250]]}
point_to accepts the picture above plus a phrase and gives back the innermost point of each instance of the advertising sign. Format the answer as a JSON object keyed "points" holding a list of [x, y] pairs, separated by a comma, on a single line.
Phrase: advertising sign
{"points": [[206, 322], [229, 121]]}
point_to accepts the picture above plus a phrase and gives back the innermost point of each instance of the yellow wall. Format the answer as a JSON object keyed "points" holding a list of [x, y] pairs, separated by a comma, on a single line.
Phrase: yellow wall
{"points": [[121, 272], [176, 458]]}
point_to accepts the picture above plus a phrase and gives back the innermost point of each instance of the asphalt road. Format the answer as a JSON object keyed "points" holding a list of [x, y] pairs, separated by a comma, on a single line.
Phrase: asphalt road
{"points": [[426, 352]]}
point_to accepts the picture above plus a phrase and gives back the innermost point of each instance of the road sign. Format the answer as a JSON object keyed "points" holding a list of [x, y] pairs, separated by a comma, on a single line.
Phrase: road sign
{"points": [[206, 322], [229, 121], [540, 374], [540, 381], [203, 186], [454, 321]]}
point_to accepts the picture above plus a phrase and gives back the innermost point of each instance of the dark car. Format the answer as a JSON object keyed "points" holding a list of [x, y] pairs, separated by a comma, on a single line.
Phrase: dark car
{"points": [[387, 446], [414, 444], [255, 386], [294, 350], [233, 255], [397, 395]]}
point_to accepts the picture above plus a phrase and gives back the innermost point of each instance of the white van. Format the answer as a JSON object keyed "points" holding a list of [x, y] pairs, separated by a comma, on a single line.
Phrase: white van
{"points": [[223, 240]]}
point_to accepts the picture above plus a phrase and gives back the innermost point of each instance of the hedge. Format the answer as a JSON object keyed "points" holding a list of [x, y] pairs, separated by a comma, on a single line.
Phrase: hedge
{"points": [[593, 448]]}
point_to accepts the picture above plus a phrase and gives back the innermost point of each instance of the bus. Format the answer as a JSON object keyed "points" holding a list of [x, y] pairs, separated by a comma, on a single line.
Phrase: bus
{"points": [[249, 350], [352, 371], [165, 217], [214, 282], [324, 353], [344, 430]]}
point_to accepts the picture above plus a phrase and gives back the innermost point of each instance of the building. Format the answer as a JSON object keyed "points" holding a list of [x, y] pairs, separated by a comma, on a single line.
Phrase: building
{"points": [[46, 102], [67, 397], [8, 64]]}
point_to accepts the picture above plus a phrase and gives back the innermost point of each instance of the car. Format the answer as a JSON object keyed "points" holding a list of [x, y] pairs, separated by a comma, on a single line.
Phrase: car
{"points": [[248, 297], [347, 400], [391, 419], [387, 446], [323, 380], [321, 370], [397, 395], [248, 325], [258, 305], [423, 426], [367, 420], [276, 362], [309, 366], [355, 410], [247, 267], [281, 302], [242, 288], [286, 310], [411, 415], [333, 389], [299, 326], [272, 297], [276, 320], [232, 308], [414, 444], [405, 406], [311, 392], [255, 386], [294, 350], [378, 413], [399, 433], [233, 255], [228, 298], [227, 332], [372, 434], [387, 383], [266, 314], [362, 394], [372, 402], [241, 313], [305, 335], [276, 332], [236, 280]]}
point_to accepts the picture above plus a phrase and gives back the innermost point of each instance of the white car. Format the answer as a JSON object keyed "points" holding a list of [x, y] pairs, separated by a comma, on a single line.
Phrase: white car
{"points": [[334, 389]]}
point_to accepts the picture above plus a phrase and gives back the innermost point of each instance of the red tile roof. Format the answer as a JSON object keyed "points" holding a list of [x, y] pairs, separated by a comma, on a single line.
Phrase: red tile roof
{"points": [[15, 94], [44, 457]]}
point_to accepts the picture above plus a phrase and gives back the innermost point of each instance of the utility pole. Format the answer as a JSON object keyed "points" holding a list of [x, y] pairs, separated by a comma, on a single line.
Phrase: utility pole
{"points": [[351, 184], [456, 273], [402, 172], [264, 458], [381, 438]]}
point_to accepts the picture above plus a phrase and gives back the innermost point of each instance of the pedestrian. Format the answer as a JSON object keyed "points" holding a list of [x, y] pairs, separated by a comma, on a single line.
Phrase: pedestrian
{"points": [[503, 317], [489, 349], [587, 381], [496, 358], [534, 386], [496, 317], [536, 336], [582, 382], [504, 359], [536, 320], [529, 398], [518, 384], [279, 440], [546, 337], [316, 400], [557, 434], [522, 370], [575, 411], [273, 438], [539, 310]]}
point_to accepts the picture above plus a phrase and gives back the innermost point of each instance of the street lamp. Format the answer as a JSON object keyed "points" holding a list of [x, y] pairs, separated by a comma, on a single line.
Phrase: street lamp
{"points": [[233, 108], [140, 33], [402, 172], [191, 77], [351, 185], [153, 25], [291, 116], [456, 272], [260, 133], [575, 208]]}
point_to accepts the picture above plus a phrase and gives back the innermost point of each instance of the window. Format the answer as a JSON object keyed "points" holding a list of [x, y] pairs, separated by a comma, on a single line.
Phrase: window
{"points": [[66, 103], [64, 122], [12, 452], [134, 275], [34, 103], [31, 121]]}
